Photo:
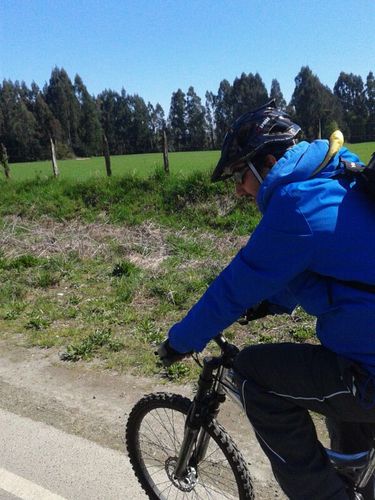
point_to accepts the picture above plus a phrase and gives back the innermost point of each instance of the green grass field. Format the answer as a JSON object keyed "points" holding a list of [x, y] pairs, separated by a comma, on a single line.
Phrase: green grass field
{"points": [[143, 165], [140, 164]]}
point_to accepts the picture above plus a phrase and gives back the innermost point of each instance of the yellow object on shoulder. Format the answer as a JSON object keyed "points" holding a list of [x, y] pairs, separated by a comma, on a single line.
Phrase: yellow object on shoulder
{"points": [[336, 142]]}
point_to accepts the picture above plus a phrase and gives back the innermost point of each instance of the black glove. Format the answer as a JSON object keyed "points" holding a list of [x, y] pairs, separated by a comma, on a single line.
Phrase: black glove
{"points": [[168, 355], [259, 311]]}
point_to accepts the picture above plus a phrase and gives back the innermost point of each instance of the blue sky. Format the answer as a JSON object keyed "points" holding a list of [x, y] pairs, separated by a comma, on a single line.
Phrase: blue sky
{"points": [[154, 47]]}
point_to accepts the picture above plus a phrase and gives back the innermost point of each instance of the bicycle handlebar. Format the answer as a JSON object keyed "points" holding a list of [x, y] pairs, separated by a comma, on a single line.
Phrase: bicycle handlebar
{"points": [[221, 341], [229, 351]]}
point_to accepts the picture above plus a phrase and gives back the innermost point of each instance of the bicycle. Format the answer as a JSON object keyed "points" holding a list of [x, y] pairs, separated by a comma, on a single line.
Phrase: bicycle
{"points": [[178, 449]]}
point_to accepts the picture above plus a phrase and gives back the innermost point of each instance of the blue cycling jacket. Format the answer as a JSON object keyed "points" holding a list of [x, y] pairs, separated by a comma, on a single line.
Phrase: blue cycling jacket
{"points": [[314, 231]]}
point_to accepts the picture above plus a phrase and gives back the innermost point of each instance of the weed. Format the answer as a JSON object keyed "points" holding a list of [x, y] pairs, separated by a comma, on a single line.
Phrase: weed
{"points": [[302, 333], [12, 291], [125, 289], [177, 371], [37, 322], [18, 263], [74, 300], [124, 268], [47, 279], [14, 311], [87, 347], [10, 314], [150, 332], [265, 339]]}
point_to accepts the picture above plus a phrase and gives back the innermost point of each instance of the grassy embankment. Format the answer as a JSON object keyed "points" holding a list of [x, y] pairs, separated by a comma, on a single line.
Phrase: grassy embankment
{"points": [[103, 267]]}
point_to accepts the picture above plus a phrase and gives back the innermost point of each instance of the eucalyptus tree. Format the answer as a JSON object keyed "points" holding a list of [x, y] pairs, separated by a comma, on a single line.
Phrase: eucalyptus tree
{"points": [[89, 128], [275, 93], [139, 134], [19, 126], [177, 122], [248, 92], [61, 99], [157, 126], [107, 102], [195, 121], [317, 110], [223, 110], [370, 102], [349, 89]]}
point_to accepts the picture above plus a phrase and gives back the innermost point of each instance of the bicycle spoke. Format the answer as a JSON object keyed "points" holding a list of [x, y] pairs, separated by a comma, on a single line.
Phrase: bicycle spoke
{"points": [[161, 444], [148, 453], [220, 492], [161, 422], [215, 480], [157, 445], [165, 489], [173, 430], [147, 440], [170, 489], [159, 470], [163, 482], [212, 452]]}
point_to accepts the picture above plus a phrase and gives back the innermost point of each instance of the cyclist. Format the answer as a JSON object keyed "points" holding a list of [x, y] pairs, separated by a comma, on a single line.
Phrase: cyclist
{"points": [[314, 247]]}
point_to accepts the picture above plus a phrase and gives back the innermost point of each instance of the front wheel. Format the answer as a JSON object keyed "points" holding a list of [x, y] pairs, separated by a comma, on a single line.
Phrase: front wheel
{"points": [[154, 434]]}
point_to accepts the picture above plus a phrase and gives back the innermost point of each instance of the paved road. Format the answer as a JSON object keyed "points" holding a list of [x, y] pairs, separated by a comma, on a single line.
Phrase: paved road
{"points": [[39, 462]]}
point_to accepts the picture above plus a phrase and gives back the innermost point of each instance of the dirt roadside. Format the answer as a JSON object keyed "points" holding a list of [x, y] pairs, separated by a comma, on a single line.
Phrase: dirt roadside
{"points": [[83, 400]]}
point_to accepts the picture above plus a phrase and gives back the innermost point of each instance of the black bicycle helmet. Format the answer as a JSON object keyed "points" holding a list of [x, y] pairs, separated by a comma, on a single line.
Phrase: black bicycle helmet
{"points": [[263, 130]]}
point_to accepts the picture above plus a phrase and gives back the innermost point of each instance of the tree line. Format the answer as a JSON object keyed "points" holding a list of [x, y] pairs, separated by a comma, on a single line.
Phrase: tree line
{"points": [[79, 123]]}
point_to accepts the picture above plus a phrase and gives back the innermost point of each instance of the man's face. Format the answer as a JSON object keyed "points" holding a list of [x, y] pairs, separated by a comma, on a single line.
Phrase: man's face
{"points": [[249, 186]]}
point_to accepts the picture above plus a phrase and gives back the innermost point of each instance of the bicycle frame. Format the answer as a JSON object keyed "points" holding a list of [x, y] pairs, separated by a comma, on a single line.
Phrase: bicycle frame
{"points": [[211, 393]]}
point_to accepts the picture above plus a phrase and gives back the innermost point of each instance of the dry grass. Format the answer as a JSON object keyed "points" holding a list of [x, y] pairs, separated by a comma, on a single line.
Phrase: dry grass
{"points": [[145, 245]]}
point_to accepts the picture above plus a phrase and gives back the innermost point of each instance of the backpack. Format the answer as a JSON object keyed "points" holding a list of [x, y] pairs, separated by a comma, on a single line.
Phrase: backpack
{"points": [[364, 174], [365, 177]]}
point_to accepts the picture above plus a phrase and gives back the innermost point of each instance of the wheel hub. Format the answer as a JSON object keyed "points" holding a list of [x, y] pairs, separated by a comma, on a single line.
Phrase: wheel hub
{"points": [[186, 483]]}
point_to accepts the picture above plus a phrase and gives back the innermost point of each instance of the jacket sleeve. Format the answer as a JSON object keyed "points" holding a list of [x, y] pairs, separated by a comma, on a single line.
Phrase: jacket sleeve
{"points": [[283, 302], [280, 248]]}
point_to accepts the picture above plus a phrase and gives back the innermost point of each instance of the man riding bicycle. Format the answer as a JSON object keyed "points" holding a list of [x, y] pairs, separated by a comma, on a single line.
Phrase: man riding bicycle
{"points": [[314, 247]]}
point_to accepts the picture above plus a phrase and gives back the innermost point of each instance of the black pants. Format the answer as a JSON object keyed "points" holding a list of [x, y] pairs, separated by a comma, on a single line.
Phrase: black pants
{"points": [[281, 382]]}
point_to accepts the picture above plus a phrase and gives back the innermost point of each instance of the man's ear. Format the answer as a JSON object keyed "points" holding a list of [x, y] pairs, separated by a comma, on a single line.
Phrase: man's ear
{"points": [[268, 162]]}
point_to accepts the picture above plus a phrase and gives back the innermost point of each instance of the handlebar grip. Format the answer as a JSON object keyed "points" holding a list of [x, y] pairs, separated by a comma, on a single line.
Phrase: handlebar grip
{"points": [[221, 341]]}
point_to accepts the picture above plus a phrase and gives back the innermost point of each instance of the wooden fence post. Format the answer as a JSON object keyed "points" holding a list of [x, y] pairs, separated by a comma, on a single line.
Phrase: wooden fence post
{"points": [[106, 156], [165, 152], [4, 160], [55, 168]]}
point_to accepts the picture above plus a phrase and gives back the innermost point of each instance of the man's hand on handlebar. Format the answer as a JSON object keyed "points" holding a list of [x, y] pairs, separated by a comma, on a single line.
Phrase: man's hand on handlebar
{"points": [[168, 355]]}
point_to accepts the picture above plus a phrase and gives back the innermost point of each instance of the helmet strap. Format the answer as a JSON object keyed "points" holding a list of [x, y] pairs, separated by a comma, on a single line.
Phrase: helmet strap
{"points": [[254, 171]]}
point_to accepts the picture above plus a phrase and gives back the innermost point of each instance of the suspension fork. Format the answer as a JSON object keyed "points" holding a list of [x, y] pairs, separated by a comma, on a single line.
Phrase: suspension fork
{"points": [[195, 438], [204, 437]]}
